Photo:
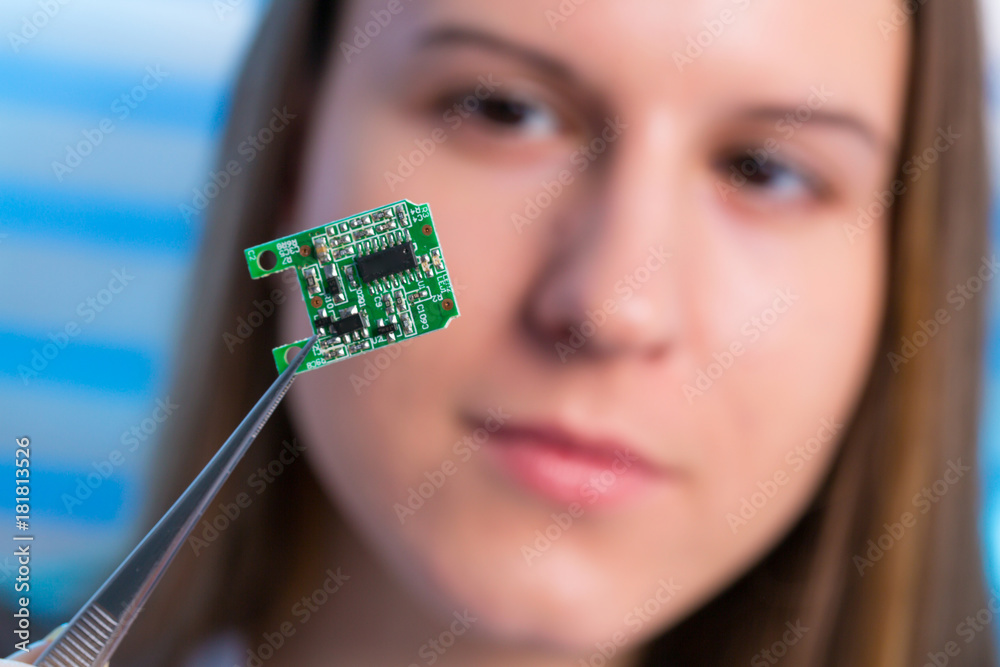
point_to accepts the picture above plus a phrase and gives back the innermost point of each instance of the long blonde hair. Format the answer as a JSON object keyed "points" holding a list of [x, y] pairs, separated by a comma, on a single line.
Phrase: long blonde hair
{"points": [[911, 424]]}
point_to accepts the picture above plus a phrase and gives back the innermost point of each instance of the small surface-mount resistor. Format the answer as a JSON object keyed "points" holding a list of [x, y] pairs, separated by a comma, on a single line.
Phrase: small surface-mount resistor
{"points": [[420, 294], [331, 352], [311, 274]]}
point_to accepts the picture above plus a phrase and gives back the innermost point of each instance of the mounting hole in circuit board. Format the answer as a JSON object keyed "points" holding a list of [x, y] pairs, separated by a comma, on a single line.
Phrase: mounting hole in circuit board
{"points": [[291, 352], [427, 230], [267, 260], [447, 304]]}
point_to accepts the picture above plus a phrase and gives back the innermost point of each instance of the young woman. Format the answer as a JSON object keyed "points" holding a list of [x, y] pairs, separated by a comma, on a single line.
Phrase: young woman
{"points": [[712, 396]]}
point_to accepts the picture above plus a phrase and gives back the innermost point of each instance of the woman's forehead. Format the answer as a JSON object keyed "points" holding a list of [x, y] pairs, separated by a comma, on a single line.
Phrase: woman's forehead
{"points": [[713, 52]]}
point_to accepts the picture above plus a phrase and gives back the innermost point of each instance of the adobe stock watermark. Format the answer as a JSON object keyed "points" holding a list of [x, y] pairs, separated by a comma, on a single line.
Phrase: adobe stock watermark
{"points": [[957, 298], [581, 158], [248, 150], [375, 363], [625, 288], [363, 36], [591, 490], [378, 361], [121, 108], [301, 612], [785, 127], [634, 621], [32, 24], [901, 14], [712, 30], [8, 570], [261, 311], [246, 325], [563, 11], [463, 450], [454, 117], [752, 330], [131, 440], [912, 170], [923, 503], [971, 627], [87, 311], [796, 460], [773, 654], [227, 513], [224, 8], [432, 650]]}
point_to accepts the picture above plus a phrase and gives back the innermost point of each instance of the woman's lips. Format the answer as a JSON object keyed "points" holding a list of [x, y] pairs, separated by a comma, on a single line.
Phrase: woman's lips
{"points": [[566, 468]]}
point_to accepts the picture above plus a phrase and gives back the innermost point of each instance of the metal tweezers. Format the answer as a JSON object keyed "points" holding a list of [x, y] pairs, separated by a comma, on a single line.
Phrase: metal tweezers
{"points": [[96, 630]]}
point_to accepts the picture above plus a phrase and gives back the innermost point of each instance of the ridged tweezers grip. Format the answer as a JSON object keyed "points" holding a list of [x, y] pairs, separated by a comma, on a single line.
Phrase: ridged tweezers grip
{"points": [[82, 644]]}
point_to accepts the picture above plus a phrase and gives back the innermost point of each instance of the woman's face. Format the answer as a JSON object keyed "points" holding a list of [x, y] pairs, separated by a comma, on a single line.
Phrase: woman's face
{"points": [[669, 304]]}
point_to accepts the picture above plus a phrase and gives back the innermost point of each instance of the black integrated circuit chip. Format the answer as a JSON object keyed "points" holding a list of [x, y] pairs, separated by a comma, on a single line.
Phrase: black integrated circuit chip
{"points": [[323, 322], [392, 260], [383, 329], [349, 324]]}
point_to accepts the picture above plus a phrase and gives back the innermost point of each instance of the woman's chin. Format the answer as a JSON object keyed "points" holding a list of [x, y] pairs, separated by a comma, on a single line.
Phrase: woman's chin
{"points": [[548, 603]]}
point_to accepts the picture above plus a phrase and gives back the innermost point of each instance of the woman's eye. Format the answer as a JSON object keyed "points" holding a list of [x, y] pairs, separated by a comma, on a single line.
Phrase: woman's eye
{"points": [[506, 114], [768, 175]]}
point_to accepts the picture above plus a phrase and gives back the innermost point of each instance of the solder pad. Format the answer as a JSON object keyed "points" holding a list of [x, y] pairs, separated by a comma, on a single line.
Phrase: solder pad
{"points": [[369, 280]]}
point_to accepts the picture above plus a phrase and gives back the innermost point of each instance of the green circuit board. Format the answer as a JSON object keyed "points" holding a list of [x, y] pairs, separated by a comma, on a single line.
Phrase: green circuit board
{"points": [[368, 280]]}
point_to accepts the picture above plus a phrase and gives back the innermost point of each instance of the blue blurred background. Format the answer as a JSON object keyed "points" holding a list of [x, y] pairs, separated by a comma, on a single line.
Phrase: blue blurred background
{"points": [[95, 250]]}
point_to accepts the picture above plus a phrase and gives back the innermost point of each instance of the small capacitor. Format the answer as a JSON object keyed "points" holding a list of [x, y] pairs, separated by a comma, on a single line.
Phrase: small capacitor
{"points": [[322, 249]]}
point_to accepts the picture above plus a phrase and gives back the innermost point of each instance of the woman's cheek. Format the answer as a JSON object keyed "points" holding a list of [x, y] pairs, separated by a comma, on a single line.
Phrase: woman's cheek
{"points": [[782, 330]]}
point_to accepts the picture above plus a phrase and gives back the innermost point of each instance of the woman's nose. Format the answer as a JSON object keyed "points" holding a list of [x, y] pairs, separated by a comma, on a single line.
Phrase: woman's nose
{"points": [[610, 287]]}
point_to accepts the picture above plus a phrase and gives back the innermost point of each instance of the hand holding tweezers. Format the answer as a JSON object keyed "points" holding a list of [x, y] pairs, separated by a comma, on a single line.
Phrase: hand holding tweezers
{"points": [[95, 631]]}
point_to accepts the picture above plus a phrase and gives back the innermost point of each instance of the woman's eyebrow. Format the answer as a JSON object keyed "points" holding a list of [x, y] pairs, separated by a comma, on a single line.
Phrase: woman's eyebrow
{"points": [[449, 35], [459, 35], [795, 117]]}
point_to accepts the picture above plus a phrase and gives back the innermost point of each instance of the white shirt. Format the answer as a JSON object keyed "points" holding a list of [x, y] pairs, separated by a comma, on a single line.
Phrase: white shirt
{"points": [[228, 649]]}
